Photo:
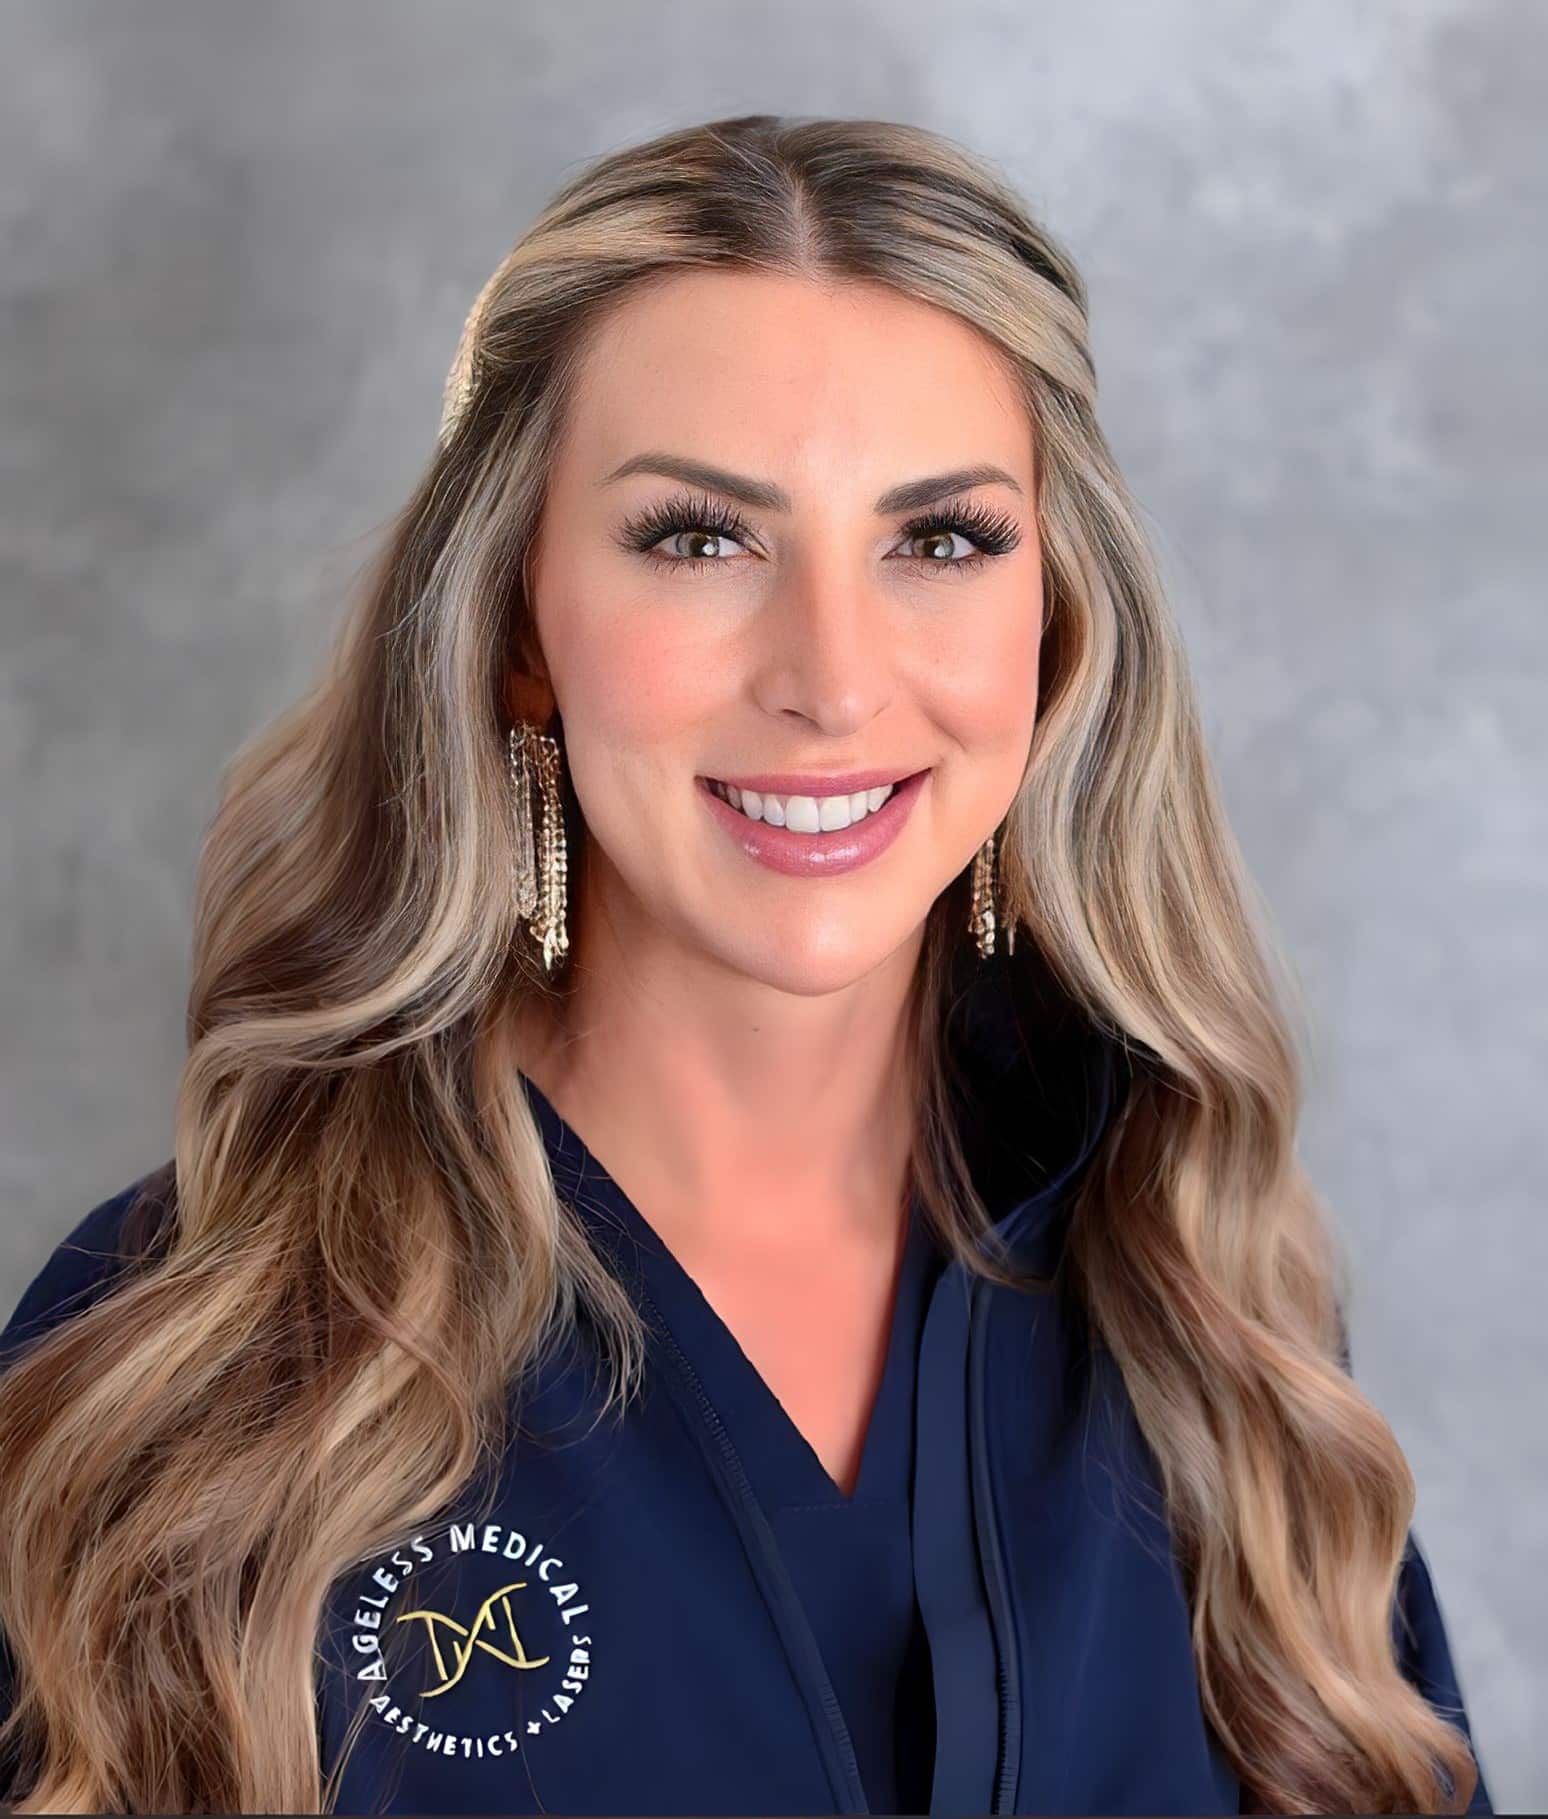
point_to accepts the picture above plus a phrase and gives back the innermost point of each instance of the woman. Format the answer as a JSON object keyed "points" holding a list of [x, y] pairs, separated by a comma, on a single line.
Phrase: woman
{"points": [[820, 1312]]}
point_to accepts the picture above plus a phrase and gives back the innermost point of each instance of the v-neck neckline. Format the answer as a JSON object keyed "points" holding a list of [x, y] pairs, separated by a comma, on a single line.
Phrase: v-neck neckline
{"points": [[782, 1461]]}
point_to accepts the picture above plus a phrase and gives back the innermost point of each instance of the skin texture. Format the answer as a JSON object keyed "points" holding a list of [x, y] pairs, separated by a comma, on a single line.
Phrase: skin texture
{"points": [[733, 1052]]}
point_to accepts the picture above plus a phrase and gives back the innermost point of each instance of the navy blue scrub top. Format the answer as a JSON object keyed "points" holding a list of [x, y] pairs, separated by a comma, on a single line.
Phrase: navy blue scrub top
{"points": [[851, 1558]]}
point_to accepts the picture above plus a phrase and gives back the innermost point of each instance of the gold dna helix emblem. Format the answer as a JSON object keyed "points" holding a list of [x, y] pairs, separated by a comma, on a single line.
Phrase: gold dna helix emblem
{"points": [[466, 1638]]}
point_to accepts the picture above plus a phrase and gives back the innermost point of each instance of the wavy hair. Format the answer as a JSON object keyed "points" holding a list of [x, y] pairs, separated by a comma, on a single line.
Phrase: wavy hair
{"points": [[357, 1247]]}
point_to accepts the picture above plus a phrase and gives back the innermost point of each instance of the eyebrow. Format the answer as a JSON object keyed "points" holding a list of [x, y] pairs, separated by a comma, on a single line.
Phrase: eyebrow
{"points": [[763, 495]]}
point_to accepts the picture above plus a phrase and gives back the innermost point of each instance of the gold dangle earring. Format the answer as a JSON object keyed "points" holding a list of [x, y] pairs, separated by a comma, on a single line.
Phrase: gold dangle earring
{"points": [[538, 877], [983, 921]]}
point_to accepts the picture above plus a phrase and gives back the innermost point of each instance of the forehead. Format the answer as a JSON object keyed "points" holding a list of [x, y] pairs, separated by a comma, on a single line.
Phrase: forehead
{"points": [[848, 384]]}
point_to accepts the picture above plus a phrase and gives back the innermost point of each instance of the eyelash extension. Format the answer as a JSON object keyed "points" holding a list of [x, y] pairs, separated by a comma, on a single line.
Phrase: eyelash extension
{"points": [[994, 532]]}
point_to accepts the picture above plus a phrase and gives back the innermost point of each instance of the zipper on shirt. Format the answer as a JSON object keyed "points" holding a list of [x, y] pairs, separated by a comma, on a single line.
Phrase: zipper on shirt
{"points": [[758, 1539], [992, 1558]]}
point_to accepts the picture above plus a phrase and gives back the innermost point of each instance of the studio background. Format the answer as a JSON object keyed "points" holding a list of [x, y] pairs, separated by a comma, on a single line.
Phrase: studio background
{"points": [[237, 244]]}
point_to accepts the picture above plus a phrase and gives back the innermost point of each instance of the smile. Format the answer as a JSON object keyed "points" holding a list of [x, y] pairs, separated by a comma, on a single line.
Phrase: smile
{"points": [[804, 814], [813, 836]]}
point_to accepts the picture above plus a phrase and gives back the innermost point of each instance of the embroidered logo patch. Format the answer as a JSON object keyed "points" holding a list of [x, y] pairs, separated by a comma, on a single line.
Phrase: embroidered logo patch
{"points": [[480, 1620]]}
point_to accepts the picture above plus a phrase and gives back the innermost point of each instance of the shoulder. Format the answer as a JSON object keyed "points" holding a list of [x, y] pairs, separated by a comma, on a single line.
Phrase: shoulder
{"points": [[99, 1251]]}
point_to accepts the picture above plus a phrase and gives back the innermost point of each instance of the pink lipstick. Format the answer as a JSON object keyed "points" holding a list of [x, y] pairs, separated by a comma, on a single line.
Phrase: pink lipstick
{"points": [[818, 855]]}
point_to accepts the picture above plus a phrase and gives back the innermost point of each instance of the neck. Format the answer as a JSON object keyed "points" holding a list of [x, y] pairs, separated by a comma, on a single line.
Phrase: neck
{"points": [[726, 1106]]}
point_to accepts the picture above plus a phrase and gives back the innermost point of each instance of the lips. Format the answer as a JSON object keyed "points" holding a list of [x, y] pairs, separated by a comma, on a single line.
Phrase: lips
{"points": [[818, 855]]}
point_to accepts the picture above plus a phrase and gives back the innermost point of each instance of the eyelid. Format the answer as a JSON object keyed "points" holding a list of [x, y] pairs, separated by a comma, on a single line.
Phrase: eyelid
{"points": [[961, 510], [682, 511]]}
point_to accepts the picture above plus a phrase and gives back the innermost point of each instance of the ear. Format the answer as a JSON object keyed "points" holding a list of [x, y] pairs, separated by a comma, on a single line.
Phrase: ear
{"points": [[529, 697], [529, 693]]}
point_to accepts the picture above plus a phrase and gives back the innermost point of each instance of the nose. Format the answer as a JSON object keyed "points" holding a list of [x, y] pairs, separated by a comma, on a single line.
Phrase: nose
{"points": [[824, 650]]}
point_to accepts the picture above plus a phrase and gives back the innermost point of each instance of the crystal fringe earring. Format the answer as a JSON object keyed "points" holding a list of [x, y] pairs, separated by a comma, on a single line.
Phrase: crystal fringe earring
{"points": [[982, 921], [538, 878]]}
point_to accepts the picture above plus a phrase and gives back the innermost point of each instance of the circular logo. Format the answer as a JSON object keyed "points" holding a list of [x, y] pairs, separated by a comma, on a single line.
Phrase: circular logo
{"points": [[480, 1636]]}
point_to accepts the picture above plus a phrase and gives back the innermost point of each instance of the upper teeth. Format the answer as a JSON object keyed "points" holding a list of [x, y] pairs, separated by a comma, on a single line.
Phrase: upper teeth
{"points": [[804, 814]]}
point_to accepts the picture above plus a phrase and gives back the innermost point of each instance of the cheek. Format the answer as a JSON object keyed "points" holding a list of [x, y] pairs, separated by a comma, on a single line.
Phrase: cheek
{"points": [[630, 679], [981, 679]]}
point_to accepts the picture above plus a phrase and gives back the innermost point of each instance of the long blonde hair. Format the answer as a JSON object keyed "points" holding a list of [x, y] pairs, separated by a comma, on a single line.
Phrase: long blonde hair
{"points": [[362, 1247]]}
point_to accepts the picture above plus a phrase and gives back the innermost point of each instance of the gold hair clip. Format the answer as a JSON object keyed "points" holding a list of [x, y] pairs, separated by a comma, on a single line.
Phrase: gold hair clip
{"points": [[462, 379]]}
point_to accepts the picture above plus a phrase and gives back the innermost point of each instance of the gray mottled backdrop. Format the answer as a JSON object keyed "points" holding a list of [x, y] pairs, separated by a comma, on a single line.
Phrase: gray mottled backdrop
{"points": [[236, 246]]}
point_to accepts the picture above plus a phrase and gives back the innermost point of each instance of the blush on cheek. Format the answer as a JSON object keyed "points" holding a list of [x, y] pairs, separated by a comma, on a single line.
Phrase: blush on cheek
{"points": [[644, 691]]}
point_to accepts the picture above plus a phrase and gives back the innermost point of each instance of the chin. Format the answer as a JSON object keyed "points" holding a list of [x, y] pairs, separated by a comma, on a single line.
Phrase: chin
{"points": [[814, 966]]}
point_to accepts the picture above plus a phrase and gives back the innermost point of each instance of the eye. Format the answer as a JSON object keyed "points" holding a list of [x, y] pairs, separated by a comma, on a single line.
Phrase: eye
{"points": [[993, 534], [701, 517], [684, 516]]}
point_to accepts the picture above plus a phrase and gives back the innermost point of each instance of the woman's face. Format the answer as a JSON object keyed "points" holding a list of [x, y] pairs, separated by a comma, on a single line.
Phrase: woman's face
{"points": [[804, 623]]}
